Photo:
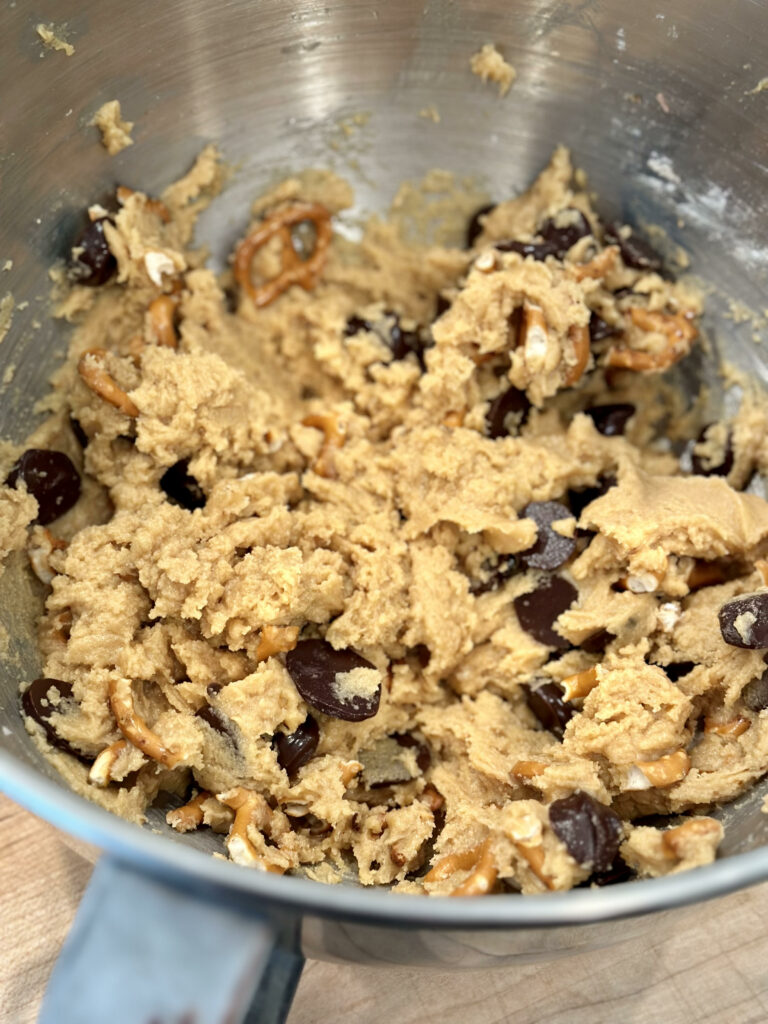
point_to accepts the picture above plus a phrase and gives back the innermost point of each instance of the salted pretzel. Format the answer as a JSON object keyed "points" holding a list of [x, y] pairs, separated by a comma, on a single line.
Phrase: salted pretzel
{"points": [[96, 376], [680, 333], [295, 270]]}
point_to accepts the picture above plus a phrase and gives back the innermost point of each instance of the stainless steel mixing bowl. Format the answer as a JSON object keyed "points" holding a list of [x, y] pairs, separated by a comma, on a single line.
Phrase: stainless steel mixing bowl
{"points": [[658, 103]]}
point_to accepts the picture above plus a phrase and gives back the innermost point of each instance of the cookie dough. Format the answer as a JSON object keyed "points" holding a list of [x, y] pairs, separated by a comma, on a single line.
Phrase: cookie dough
{"points": [[115, 132], [489, 65], [392, 560]]}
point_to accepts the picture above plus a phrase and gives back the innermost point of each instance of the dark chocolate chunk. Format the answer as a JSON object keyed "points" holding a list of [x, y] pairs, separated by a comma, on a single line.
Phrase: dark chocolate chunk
{"points": [[555, 241], [677, 669], [600, 329], [754, 696], [564, 237], [181, 488], [744, 620], [591, 831], [421, 653], [551, 549], [597, 642], [579, 499], [94, 264], [618, 872], [511, 403], [216, 720], [80, 435], [442, 305], [50, 478], [494, 575], [538, 610], [295, 749], [37, 705], [547, 704], [635, 251], [474, 228], [354, 325], [610, 420], [315, 668], [401, 342], [703, 467]]}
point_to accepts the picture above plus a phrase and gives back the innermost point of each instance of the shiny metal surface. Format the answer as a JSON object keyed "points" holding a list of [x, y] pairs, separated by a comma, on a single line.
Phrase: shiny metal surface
{"points": [[654, 100]]}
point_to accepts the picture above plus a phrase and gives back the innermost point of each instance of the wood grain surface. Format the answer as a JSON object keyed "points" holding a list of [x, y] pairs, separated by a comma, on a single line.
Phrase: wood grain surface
{"points": [[711, 969]]}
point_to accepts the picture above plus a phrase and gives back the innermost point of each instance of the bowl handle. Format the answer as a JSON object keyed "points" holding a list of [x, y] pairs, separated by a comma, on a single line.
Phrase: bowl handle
{"points": [[141, 951]]}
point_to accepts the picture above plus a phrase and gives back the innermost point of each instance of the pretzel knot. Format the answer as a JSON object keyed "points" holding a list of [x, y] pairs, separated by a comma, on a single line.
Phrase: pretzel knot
{"points": [[295, 270]]}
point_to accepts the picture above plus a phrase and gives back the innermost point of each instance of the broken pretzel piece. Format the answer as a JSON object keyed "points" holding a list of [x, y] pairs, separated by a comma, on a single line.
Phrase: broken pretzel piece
{"points": [[334, 439], [40, 547], [160, 316], [579, 337], [156, 206], [134, 728], [598, 266], [479, 858], [580, 684], [275, 639], [732, 729], [250, 809], [101, 770], [677, 842], [295, 270], [96, 376], [667, 770], [189, 816], [679, 330]]}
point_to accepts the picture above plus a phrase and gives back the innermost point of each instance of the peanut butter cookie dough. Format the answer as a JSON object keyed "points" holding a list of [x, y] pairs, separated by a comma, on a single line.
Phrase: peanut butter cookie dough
{"points": [[382, 558]]}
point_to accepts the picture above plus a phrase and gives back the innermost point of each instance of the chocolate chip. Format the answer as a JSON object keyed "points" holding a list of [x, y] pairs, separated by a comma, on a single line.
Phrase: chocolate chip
{"points": [[317, 670], [590, 831], [421, 653], [38, 706], [50, 478], [579, 499], [597, 642], [610, 420], [744, 621], [80, 435], [618, 872], [494, 575], [538, 610], [507, 413], [551, 549], [442, 305], [677, 669], [216, 720], [600, 329], [94, 264], [754, 696], [555, 240], [635, 251], [703, 467], [547, 704], [355, 325], [295, 749], [564, 237], [474, 228], [181, 488], [401, 342]]}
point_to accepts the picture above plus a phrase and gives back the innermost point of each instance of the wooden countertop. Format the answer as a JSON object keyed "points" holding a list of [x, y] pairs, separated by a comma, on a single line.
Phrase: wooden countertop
{"points": [[712, 969]]}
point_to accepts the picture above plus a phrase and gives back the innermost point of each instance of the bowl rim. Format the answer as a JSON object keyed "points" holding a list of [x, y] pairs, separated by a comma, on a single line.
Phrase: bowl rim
{"points": [[196, 871]]}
